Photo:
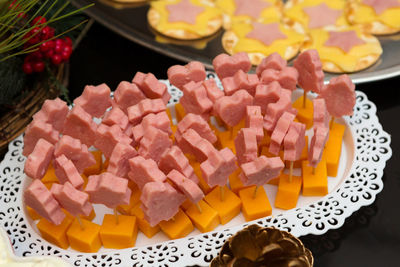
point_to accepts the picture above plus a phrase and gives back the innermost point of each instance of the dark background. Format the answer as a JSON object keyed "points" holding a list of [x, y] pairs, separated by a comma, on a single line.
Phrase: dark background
{"points": [[370, 237]]}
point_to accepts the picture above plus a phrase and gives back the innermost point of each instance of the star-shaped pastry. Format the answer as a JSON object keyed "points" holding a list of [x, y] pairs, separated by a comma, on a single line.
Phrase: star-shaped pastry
{"points": [[344, 40], [184, 11], [266, 33], [381, 5], [321, 15], [250, 8]]}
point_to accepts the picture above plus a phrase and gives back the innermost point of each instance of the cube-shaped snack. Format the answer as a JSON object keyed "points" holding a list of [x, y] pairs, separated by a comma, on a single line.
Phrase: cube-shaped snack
{"points": [[134, 199], [333, 148], [143, 224], [254, 206], [288, 192], [179, 227], [84, 238], [55, 234], [206, 219], [315, 184], [118, 234], [95, 99], [305, 114]]}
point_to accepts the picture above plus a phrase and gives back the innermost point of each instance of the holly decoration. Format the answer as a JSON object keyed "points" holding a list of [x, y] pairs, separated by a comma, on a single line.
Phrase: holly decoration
{"points": [[55, 51]]}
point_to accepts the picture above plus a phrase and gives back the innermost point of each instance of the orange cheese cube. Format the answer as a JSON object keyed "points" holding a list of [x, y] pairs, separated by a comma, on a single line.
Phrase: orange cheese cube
{"points": [[185, 205], [178, 227], [50, 175], [266, 140], [85, 180], [32, 213], [234, 181], [227, 208], [55, 234], [206, 220], [274, 181], [173, 128], [143, 225], [288, 192], [86, 239], [254, 207], [202, 183], [304, 115], [97, 167], [90, 217], [135, 198], [179, 112], [48, 185], [333, 148], [169, 115], [225, 139], [303, 156], [121, 234], [237, 127], [315, 184]]}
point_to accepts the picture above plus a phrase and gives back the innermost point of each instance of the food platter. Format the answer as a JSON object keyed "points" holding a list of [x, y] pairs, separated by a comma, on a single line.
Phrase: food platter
{"points": [[131, 23], [366, 150]]}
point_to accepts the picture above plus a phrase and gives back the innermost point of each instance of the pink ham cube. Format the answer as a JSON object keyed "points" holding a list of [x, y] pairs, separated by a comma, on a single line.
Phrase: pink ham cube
{"points": [[246, 145], [160, 202], [190, 189], [192, 143], [261, 170], [309, 66], [160, 121], [95, 99], [267, 94], [154, 143], [74, 150], [108, 189], [194, 99], [144, 171], [180, 75], [255, 121], [39, 160], [287, 77], [66, 171], [39, 198], [38, 129], [232, 109], [119, 160], [226, 66], [321, 114], [80, 125], [174, 159], [275, 110], [116, 116], [240, 80], [151, 86], [281, 128], [53, 112], [294, 141], [197, 123], [144, 107], [273, 61], [74, 201], [108, 136], [213, 92], [127, 94], [317, 144]]}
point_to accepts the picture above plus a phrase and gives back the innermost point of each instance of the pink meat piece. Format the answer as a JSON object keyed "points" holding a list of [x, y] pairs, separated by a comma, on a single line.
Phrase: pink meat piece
{"points": [[39, 198], [116, 116], [191, 190], [73, 200], [74, 150], [108, 136], [154, 143], [144, 107], [232, 109], [119, 159], [160, 202], [275, 110], [39, 160], [194, 99], [255, 121], [246, 145], [281, 128], [151, 86], [217, 168], [160, 121], [340, 96], [108, 189], [95, 99], [273, 61], [287, 77], [180, 75], [261, 170], [144, 171], [317, 144], [213, 92], [267, 94], [38, 129], [80, 125], [294, 141], [321, 114], [227, 66], [192, 143], [197, 123], [309, 66], [53, 112], [174, 159], [240, 80], [66, 171], [381, 6], [127, 94]]}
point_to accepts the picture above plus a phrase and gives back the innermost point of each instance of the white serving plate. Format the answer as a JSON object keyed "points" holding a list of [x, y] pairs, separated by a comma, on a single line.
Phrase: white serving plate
{"points": [[365, 150]]}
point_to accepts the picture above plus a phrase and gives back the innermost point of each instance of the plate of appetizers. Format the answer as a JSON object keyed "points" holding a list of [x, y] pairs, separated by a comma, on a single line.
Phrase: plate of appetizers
{"points": [[186, 199]]}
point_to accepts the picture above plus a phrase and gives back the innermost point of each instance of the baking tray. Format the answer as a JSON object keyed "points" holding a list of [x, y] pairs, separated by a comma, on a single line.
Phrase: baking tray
{"points": [[129, 20]]}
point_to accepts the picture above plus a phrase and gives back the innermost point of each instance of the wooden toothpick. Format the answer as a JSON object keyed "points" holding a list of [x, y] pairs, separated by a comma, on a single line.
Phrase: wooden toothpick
{"points": [[255, 191], [291, 171], [80, 222], [199, 208], [304, 99], [222, 193], [116, 215]]}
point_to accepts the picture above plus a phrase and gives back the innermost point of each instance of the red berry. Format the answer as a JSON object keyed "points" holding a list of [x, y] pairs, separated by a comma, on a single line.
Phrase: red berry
{"points": [[36, 38], [27, 68], [22, 15], [38, 66], [47, 33], [45, 46], [68, 41], [38, 20], [58, 49], [56, 59], [49, 53], [37, 55], [65, 55]]}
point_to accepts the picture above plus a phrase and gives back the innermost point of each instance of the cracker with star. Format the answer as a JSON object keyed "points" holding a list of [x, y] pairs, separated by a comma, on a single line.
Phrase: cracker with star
{"points": [[344, 49], [260, 39], [185, 19], [249, 10], [315, 14], [379, 17]]}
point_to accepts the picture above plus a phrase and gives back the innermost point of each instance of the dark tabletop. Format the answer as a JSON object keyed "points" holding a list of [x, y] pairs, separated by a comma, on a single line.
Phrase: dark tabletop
{"points": [[370, 237]]}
